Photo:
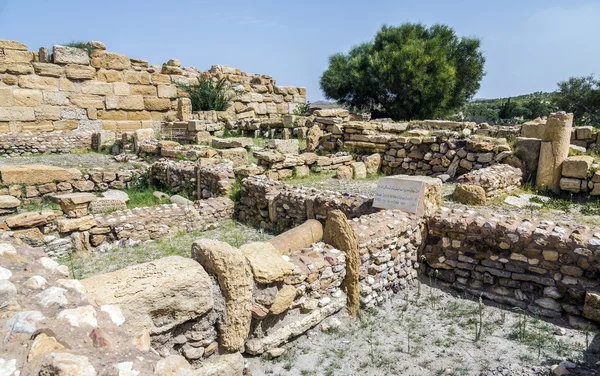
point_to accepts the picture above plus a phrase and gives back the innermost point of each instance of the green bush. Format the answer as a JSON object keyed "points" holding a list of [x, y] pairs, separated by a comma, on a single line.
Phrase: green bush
{"points": [[82, 45], [302, 109], [208, 95]]}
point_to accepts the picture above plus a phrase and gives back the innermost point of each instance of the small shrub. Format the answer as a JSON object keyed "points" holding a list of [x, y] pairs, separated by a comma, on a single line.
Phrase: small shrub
{"points": [[82, 45], [302, 109], [208, 95]]}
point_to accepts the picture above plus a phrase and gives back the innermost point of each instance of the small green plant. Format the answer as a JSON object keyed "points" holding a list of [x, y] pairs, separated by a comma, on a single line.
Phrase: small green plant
{"points": [[302, 109], [82, 45], [235, 194], [208, 95]]}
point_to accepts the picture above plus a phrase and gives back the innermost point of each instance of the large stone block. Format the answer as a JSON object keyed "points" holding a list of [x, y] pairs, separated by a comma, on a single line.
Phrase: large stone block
{"points": [[39, 82], [97, 88], [159, 295], [167, 91], [239, 156], [36, 174], [13, 45], [157, 104], [469, 194], [229, 266], [136, 77], [47, 69], [80, 72], [591, 308], [15, 56], [534, 129], [129, 102], [17, 114], [87, 101], [66, 225], [570, 185], [267, 265], [70, 55], [110, 60], [27, 97], [577, 166]]}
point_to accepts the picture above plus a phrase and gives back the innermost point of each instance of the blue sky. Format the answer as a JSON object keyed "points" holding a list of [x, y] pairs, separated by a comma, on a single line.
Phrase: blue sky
{"points": [[529, 44]]}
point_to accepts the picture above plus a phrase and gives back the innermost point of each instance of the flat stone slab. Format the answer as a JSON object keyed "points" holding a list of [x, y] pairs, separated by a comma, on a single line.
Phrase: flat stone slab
{"points": [[37, 174], [9, 202], [74, 198], [230, 143], [524, 200], [115, 194]]}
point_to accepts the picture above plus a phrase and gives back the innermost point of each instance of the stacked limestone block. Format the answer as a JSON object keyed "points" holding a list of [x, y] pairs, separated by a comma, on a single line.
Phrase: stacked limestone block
{"points": [[258, 95], [27, 143], [180, 176], [215, 180], [547, 268], [73, 89], [495, 180], [292, 292], [279, 165], [388, 243], [580, 175], [35, 182], [274, 205]]}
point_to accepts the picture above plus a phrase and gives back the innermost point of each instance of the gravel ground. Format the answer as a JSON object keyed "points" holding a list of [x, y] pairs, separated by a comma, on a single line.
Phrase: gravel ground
{"points": [[423, 331], [85, 161], [229, 231]]}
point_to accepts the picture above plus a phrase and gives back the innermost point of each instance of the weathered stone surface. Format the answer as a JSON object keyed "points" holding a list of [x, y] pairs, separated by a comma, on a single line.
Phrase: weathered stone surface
{"points": [[70, 55], [43, 344], [266, 263], [340, 235], [284, 146], [469, 194], [344, 173], [232, 142], [229, 266], [528, 150], [591, 308], [225, 365], [9, 202], [256, 346], [36, 174], [283, 300], [554, 150], [27, 219], [299, 237], [570, 185], [75, 224], [239, 156], [160, 294], [80, 72], [372, 163], [577, 166], [74, 204], [313, 137], [173, 365], [359, 170], [66, 364]]}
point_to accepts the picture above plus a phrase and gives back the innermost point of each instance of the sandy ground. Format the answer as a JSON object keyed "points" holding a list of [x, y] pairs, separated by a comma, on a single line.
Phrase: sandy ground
{"points": [[424, 331]]}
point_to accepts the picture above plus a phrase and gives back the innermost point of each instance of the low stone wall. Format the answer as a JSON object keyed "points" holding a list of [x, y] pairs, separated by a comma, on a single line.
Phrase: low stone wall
{"points": [[27, 143], [580, 174], [544, 267], [215, 180], [495, 180], [180, 176], [274, 205], [34, 182], [388, 244], [280, 166]]}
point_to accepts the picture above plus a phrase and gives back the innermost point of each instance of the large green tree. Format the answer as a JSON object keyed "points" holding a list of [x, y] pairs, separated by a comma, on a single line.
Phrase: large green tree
{"points": [[407, 72], [581, 96]]}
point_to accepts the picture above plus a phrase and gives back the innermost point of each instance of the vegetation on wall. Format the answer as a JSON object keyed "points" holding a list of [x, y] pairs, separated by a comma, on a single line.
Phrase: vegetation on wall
{"points": [[82, 45], [208, 95], [407, 72]]}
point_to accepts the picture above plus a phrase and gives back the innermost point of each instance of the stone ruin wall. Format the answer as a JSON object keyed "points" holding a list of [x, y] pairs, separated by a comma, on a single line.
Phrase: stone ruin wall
{"points": [[273, 205], [28, 143], [72, 90], [546, 268]]}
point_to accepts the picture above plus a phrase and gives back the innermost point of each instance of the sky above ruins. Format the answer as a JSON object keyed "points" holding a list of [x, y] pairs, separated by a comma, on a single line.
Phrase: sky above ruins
{"points": [[529, 45]]}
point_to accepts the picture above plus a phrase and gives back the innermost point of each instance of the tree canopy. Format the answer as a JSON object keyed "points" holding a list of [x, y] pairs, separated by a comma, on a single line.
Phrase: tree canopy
{"points": [[407, 72], [581, 96]]}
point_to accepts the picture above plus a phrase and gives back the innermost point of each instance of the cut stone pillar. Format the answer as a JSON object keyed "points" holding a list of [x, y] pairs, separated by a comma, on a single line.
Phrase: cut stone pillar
{"points": [[340, 235], [299, 237], [554, 150]]}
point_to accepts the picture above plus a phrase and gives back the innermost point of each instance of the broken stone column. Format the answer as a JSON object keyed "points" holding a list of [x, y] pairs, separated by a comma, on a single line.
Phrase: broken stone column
{"points": [[554, 150], [339, 234], [229, 266], [299, 237]]}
